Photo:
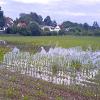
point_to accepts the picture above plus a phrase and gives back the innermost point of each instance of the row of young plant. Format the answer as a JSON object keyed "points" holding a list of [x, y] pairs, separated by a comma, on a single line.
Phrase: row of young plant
{"points": [[58, 65], [71, 67]]}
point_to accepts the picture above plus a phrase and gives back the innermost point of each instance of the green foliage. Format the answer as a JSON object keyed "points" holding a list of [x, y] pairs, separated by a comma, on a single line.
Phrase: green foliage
{"points": [[54, 68], [32, 21], [59, 98], [40, 93], [25, 31], [3, 50], [34, 17], [68, 24], [13, 78], [34, 28], [62, 41], [62, 32], [11, 92], [46, 30], [89, 93], [26, 98], [30, 18], [95, 25], [76, 64], [97, 32], [47, 21], [13, 30], [80, 29]]}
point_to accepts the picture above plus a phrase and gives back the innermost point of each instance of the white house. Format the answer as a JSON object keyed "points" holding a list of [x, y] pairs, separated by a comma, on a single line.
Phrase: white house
{"points": [[47, 27], [56, 29]]}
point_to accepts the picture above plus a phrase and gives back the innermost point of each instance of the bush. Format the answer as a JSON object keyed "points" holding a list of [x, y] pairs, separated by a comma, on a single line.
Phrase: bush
{"points": [[34, 29], [76, 64]]}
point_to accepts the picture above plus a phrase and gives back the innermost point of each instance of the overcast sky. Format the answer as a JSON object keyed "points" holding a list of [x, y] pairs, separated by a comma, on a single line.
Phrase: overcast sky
{"points": [[61, 10]]}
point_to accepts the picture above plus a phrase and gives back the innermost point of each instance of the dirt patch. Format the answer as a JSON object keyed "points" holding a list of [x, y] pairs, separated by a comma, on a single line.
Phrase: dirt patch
{"points": [[14, 86]]}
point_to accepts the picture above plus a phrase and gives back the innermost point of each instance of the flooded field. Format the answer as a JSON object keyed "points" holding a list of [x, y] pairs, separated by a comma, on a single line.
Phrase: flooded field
{"points": [[57, 65]]}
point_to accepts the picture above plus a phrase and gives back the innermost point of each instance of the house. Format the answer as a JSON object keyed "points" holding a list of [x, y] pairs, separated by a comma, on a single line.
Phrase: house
{"points": [[21, 24], [51, 28], [8, 22], [57, 28]]}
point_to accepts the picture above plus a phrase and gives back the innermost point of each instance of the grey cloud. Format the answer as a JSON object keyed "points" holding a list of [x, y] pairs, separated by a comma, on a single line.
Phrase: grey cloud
{"points": [[60, 11]]}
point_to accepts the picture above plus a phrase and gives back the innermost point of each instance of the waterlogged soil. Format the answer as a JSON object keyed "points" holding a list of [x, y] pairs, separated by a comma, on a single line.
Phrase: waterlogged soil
{"points": [[28, 48], [9, 46], [14, 86]]}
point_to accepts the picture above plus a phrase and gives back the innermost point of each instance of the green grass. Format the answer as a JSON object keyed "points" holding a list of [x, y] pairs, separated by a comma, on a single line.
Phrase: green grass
{"points": [[63, 41], [3, 50]]}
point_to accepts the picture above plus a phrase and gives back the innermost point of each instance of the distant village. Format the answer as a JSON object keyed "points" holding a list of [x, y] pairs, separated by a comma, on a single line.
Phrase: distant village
{"points": [[9, 22], [33, 24]]}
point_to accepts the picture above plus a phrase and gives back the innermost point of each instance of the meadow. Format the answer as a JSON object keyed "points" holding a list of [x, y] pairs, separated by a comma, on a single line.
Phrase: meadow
{"points": [[61, 41]]}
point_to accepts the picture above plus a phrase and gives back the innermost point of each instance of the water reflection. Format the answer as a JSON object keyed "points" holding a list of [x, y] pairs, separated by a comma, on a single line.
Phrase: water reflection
{"points": [[58, 65]]}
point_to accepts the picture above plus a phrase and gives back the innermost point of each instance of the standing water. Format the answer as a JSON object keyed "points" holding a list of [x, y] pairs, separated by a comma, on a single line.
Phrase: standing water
{"points": [[58, 65]]}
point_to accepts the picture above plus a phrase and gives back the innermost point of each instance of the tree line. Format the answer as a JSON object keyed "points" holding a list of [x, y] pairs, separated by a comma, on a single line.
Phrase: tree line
{"points": [[70, 28], [30, 24]]}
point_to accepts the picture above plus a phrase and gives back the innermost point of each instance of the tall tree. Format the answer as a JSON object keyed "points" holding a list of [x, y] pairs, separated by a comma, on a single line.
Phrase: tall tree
{"points": [[95, 25], [31, 18], [47, 21], [37, 18], [2, 21], [85, 26], [54, 23], [24, 18], [35, 29]]}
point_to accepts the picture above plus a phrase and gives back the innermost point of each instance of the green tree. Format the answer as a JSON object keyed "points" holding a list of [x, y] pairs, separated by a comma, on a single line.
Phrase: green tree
{"points": [[27, 18], [97, 32], [34, 29], [54, 23], [13, 30], [2, 21], [95, 25], [68, 24], [85, 26], [47, 21], [36, 18]]}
